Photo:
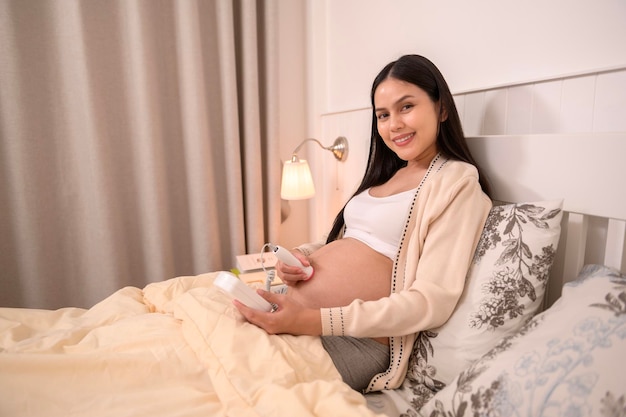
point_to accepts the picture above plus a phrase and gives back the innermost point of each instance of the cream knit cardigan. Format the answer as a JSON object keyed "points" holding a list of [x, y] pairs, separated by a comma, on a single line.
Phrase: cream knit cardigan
{"points": [[441, 233]]}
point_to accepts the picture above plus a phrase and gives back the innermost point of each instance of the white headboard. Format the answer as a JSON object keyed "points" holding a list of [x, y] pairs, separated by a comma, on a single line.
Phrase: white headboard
{"points": [[586, 170]]}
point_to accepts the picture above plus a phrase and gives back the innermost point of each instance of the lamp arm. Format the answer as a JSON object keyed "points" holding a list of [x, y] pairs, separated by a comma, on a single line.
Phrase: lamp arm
{"points": [[295, 151], [339, 148]]}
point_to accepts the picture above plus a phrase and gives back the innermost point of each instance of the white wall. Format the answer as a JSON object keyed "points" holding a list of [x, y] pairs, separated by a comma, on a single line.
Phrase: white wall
{"points": [[476, 44], [292, 106], [523, 67]]}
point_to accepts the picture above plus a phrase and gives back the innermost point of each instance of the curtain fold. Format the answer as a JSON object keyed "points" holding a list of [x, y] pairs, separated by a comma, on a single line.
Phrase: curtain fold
{"points": [[134, 143]]}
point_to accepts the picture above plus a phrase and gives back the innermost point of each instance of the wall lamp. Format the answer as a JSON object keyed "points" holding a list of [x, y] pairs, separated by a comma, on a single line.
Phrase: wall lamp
{"points": [[297, 182]]}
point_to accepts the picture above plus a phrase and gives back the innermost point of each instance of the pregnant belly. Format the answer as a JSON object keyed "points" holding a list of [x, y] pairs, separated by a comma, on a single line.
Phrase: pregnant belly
{"points": [[345, 270]]}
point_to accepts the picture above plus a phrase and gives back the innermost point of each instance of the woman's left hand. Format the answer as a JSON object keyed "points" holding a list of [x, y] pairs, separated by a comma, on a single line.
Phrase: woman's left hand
{"points": [[290, 316]]}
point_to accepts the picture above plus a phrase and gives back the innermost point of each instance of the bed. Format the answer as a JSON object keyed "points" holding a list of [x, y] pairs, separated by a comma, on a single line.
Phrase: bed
{"points": [[541, 327], [179, 348]]}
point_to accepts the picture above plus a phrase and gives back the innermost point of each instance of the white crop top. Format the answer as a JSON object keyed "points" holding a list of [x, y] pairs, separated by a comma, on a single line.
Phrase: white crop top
{"points": [[378, 221]]}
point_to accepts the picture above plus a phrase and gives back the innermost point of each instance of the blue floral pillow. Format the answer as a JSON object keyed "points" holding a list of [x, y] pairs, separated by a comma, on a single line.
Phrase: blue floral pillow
{"points": [[567, 361]]}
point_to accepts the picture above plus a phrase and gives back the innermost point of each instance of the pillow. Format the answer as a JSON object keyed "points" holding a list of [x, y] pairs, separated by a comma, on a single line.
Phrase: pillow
{"points": [[568, 360], [505, 287]]}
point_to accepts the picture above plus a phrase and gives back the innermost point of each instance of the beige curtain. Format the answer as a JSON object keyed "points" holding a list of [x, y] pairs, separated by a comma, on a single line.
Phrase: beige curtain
{"points": [[136, 143]]}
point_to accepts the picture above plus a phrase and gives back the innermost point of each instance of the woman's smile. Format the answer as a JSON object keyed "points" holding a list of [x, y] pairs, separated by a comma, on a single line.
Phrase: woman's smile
{"points": [[403, 139]]}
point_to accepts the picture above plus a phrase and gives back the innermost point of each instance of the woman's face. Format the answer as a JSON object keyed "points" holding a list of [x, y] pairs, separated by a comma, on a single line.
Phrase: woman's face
{"points": [[407, 120]]}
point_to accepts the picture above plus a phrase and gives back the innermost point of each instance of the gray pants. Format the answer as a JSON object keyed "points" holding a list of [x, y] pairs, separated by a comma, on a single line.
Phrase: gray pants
{"points": [[357, 360]]}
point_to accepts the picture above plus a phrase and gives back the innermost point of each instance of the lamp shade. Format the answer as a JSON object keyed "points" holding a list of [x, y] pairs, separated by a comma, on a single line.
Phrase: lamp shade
{"points": [[297, 183]]}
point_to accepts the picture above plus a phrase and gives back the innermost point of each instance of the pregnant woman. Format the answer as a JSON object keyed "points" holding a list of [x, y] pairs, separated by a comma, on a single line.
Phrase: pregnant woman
{"points": [[395, 260]]}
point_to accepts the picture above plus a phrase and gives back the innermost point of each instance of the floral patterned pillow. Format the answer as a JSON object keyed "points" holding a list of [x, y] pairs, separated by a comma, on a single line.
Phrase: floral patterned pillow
{"points": [[567, 361], [504, 289]]}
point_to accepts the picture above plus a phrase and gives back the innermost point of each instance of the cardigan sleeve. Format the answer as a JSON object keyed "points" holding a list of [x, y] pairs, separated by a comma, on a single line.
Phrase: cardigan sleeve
{"points": [[448, 222]]}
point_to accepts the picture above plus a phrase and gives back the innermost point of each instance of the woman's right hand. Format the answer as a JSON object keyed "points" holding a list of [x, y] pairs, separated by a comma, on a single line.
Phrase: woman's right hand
{"points": [[291, 275]]}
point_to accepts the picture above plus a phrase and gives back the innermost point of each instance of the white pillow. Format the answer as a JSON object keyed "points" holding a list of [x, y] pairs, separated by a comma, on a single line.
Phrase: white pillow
{"points": [[505, 287], [569, 360]]}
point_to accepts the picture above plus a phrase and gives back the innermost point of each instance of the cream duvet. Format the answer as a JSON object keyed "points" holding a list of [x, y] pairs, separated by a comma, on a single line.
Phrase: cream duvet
{"points": [[174, 348]]}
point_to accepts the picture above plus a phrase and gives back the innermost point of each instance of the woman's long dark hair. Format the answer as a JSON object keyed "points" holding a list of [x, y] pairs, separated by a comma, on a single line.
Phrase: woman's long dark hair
{"points": [[383, 163]]}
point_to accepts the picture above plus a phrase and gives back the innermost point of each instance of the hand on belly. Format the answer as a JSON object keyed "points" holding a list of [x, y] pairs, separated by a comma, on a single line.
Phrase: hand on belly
{"points": [[345, 270]]}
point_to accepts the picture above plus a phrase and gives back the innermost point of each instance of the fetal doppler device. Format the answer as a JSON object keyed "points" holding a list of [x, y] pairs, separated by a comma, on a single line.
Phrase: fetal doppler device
{"points": [[238, 290], [287, 258]]}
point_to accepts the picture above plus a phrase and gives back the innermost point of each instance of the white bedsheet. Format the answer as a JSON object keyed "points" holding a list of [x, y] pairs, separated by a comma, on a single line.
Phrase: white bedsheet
{"points": [[175, 348]]}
